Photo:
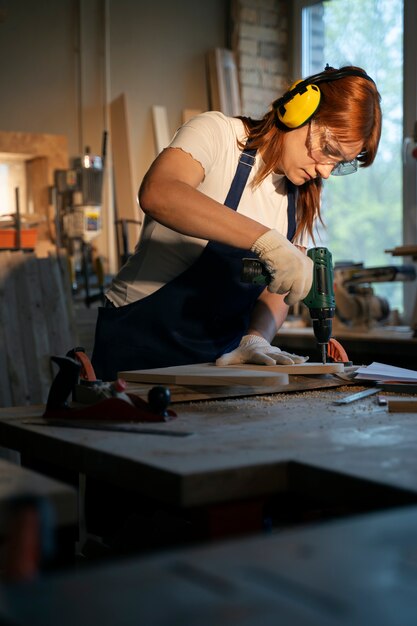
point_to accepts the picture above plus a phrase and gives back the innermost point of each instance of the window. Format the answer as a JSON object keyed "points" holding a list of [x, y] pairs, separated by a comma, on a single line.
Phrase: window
{"points": [[12, 178], [364, 213]]}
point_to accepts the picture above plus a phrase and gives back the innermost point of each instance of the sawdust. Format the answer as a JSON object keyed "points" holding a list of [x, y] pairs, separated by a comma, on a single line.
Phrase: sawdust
{"points": [[272, 399], [287, 409], [236, 404]]}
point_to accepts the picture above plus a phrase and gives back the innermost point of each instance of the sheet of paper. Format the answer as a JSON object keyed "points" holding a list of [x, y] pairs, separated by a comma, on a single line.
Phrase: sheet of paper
{"points": [[380, 371]]}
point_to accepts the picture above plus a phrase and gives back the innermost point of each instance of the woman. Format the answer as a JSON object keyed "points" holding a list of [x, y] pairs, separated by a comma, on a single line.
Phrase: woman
{"points": [[224, 189]]}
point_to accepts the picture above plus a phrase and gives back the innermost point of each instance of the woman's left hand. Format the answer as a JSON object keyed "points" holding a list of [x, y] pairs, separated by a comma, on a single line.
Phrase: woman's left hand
{"points": [[257, 350]]}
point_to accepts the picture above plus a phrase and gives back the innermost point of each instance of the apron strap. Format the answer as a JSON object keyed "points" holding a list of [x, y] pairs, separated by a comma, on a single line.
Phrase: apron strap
{"points": [[292, 225], [244, 167]]}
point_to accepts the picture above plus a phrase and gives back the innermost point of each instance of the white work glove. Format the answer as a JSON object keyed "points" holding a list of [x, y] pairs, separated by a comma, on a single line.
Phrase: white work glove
{"points": [[254, 349], [290, 269]]}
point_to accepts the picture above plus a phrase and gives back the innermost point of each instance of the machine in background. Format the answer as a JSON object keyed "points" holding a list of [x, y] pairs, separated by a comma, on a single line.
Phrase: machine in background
{"points": [[357, 306], [341, 295], [78, 195], [409, 250]]}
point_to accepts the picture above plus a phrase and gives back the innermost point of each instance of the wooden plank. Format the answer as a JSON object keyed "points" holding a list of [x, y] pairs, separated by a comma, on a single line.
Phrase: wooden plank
{"points": [[182, 393], [38, 197], [204, 374], [223, 82], [13, 338], [160, 128], [36, 321], [5, 389], [33, 327], [402, 405], [64, 278], [125, 187], [57, 309], [297, 369]]}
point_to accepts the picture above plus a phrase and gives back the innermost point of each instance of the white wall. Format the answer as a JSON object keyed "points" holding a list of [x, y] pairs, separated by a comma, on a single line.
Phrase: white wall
{"points": [[158, 57], [62, 60], [37, 67]]}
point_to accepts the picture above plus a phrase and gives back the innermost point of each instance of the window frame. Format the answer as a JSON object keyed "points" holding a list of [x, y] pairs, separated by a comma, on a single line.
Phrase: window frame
{"points": [[409, 97]]}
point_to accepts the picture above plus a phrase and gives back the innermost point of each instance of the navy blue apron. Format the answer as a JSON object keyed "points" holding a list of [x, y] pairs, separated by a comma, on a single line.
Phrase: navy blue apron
{"points": [[195, 318]]}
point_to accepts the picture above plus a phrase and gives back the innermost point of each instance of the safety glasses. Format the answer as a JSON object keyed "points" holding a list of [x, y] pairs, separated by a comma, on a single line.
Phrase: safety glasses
{"points": [[345, 167], [324, 149]]}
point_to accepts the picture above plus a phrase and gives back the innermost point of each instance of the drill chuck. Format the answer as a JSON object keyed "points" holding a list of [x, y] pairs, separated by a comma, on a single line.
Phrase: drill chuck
{"points": [[322, 324]]}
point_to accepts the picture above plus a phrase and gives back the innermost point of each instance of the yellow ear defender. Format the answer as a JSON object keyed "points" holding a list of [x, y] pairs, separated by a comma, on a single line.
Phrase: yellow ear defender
{"points": [[301, 101], [303, 104]]}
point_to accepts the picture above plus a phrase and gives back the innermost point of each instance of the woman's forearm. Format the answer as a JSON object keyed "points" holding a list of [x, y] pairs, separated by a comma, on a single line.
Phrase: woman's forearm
{"points": [[169, 195], [269, 314]]}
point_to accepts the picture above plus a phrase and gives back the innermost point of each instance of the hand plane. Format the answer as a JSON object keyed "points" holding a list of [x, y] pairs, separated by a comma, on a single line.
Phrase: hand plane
{"points": [[105, 401]]}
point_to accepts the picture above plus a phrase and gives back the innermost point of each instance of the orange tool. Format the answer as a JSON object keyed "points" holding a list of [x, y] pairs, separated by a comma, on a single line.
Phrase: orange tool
{"points": [[336, 353]]}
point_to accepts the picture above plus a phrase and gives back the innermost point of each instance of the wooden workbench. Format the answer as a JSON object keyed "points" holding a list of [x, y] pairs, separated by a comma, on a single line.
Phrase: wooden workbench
{"points": [[357, 456], [356, 572], [230, 449]]}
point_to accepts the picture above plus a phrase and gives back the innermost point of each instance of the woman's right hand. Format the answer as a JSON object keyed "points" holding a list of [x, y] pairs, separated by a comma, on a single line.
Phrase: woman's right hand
{"points": [[291, 270]]}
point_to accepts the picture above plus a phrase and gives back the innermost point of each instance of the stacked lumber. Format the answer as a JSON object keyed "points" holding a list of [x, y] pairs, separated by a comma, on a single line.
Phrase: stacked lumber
{"points": [[36, 321]]}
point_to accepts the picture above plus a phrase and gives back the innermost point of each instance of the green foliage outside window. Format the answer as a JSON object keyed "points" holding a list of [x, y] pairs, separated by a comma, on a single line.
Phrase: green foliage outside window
{"points": [[363, 212]]}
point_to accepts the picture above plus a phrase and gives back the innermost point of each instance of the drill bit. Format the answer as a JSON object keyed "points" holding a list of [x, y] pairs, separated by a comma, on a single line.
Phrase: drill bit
{"points": [[323, 347]]}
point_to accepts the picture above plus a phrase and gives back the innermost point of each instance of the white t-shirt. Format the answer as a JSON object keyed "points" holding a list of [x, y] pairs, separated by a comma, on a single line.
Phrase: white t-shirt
{"points": [[161, 253]]}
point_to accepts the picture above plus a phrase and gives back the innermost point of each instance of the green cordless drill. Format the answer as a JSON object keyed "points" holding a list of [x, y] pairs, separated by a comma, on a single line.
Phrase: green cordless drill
{"points": [[320, 299]]}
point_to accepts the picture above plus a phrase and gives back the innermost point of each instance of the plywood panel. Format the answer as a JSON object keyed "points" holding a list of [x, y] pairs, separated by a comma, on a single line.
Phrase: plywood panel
{"points": [[204, 374], [297, 369], [57, 304], [13, 338], [36, 321], [5, 340], [33, 327]]}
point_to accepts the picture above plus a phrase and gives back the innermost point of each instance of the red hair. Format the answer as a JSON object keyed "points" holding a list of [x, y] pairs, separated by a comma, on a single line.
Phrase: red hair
{"points": [[349, 108]]}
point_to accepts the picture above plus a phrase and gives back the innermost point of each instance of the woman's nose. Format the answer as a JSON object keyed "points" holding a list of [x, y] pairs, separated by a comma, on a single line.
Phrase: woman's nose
{"points": [[324, 169]]}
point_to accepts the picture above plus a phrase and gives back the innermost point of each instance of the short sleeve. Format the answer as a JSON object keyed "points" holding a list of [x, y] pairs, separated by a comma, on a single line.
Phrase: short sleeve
{"points": [[203, 136]]}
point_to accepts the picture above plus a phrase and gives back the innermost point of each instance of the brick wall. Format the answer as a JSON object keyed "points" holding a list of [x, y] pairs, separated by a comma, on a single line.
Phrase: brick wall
{"points": [[260, 43]]}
